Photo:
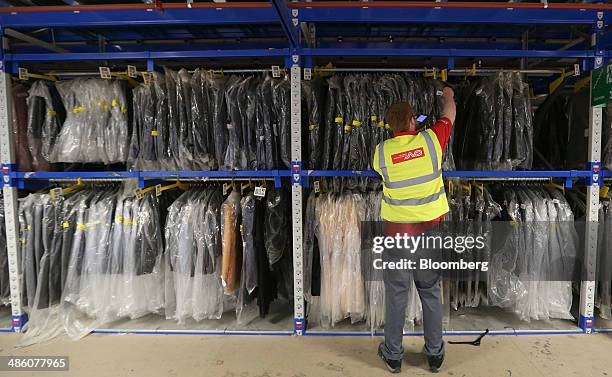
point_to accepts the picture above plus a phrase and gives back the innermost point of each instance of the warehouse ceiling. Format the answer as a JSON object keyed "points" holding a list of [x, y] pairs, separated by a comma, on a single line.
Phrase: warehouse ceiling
{"points": [[179, 30]]}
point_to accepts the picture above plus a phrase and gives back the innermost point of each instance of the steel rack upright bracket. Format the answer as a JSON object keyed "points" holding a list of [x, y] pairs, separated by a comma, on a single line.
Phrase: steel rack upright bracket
{"points": [[596, 177], [7, 179]]}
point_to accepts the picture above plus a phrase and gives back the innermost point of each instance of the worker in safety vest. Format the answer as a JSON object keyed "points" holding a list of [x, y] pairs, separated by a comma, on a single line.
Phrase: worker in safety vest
{"points": [[414, 202]]}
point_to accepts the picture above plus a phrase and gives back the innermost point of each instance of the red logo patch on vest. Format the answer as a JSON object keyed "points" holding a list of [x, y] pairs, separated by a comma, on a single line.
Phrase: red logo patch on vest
{"points": [[407, 155]]}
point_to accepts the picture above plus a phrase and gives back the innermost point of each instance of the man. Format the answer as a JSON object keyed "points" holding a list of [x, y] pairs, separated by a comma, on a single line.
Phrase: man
{"points": [[414, 202]]}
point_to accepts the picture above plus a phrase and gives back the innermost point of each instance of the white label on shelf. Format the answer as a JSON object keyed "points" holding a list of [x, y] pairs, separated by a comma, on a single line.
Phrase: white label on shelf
{"points": [[23, 74], [307, 74], [56, 193], [138, 193], [275, 71], [576, 69], [260, 191], [147, 77], [105, 72], [158, 190], [131, 71]]}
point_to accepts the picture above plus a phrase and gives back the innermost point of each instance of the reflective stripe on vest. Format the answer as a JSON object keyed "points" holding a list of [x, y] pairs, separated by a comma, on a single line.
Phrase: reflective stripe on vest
{"points": [[411, 181], [415, 202]]}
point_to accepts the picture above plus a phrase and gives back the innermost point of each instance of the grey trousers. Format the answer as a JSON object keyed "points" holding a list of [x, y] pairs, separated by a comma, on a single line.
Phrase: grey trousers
{"points": [[397, 284]]}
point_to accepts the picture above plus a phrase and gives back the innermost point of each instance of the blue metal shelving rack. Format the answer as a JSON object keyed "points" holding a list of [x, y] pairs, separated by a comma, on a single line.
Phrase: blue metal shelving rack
{"points": [[305, 30]]}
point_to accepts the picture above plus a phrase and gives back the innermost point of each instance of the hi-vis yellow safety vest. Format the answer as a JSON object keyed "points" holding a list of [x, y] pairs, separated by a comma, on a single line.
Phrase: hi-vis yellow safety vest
{"points": [[411, 168]]}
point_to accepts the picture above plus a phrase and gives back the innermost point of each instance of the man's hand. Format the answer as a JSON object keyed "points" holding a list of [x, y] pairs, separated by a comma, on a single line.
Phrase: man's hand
{"points": [[450, 109]]}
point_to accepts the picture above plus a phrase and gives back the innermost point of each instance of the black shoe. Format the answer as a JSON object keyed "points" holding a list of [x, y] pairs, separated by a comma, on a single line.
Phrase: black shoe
{"points": [[394, 366], [435, 362]]}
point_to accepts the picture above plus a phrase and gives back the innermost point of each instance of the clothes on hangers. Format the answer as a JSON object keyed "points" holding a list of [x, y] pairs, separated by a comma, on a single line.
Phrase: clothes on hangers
{"points": [[494, 125], [346, 116], [527, 273], [350, 287], [96, 125], [206, 121], [604, 261], [89, 258], [216, 257], [44, 119], [5, 289]]}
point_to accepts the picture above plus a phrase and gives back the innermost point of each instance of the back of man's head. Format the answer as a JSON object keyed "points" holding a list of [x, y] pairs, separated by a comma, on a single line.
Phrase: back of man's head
{"points": [[399, 116]]}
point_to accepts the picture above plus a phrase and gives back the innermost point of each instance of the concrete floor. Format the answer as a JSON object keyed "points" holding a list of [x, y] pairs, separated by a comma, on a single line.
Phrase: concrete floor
{"points": [[280, 356]]}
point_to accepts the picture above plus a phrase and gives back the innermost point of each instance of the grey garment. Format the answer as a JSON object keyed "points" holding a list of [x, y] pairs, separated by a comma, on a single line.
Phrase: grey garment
{"points": [[397, 285], [249, 261]]}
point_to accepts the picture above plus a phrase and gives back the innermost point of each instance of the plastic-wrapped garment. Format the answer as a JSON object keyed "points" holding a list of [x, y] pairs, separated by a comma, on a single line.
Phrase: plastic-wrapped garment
{"points": [[202, 122], [92, 257], [276, 238], [116, 131], [527, 282], [19, 126], [496, 109], [193, 286], [342, 286], [142, 259], [185, 131], [162, 122], [235, 157], [309, 243], [604, 261], [606, 136], [220, 135], [144, 150], [95, 129], [249, 115], [374, 285], [522, 132], [245, 307], [313, 94], [551, 131], [5, 292], [359, 112], [336, 118], [249, 270], [44, 121], [281, 99], [232, 247], [174, 121]]}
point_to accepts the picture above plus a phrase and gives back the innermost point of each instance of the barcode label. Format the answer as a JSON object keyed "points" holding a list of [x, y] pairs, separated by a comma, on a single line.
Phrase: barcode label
{"points": [[23, 74], [105, 72], [275, 71], [260, 191], [307, 74], [147, 77], [138, 193], [131, 71]]}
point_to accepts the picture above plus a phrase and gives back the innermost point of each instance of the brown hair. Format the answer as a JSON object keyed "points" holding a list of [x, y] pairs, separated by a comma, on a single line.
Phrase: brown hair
{"points": [[398, 116]]}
